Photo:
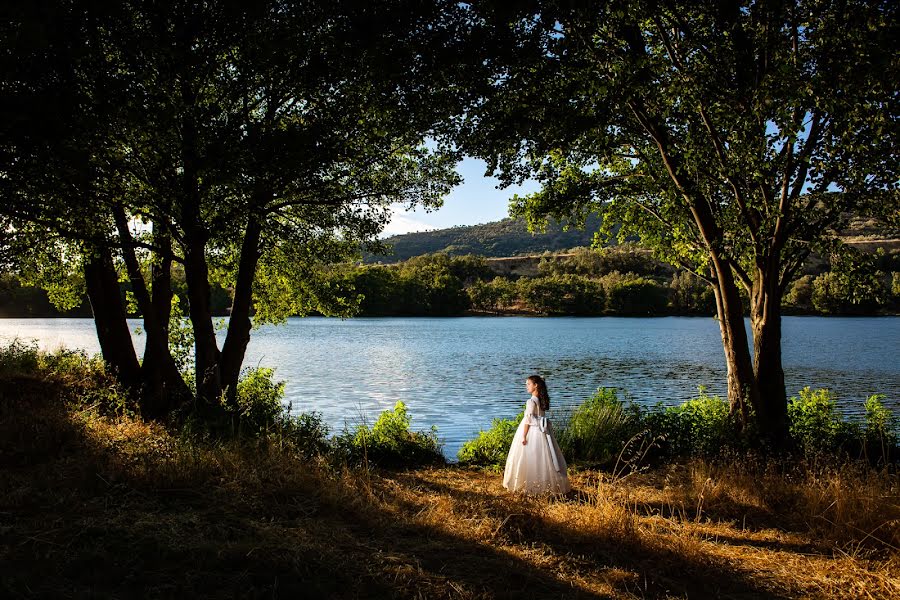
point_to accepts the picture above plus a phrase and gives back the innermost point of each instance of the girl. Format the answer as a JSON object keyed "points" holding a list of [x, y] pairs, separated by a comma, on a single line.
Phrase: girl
{"points": [[535, 464]]}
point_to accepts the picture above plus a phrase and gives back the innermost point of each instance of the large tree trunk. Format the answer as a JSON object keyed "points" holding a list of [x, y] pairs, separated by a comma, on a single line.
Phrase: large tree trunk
{"points": [[196, 270], [239, 324], [742, 389], [103, 291], [163, 386], [765, 317], [207, 358]]}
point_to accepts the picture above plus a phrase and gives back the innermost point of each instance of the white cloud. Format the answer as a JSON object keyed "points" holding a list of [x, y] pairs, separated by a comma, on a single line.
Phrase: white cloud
{"points": [[401, 222]]}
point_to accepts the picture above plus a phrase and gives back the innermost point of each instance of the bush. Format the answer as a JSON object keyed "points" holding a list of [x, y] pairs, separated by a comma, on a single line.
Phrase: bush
{"points": [[389, 442], [259, 402], [800, 296], [880, 430], [85, 381], [562, 294], [307, 433], [814, 424], [597, 430], [688, 294], [829, 294], [701, 426], [492, 295], [19, 358], [636, 297], [626, 258], [492, 446]]}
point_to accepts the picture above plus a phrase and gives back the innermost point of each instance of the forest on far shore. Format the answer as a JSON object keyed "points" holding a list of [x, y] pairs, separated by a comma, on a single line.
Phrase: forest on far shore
{"points": [[618, 280]]}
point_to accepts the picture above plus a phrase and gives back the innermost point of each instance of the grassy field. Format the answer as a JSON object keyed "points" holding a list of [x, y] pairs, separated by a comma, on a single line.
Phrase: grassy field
{"points": [[111, 506]]}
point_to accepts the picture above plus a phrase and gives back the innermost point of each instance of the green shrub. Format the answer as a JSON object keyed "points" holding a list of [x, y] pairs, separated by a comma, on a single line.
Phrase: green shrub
{"points": [[880, 430], [688, 294], [492, 295], [389, 442], [597, 430], [562, 294], [85, 381], [492, 446], [800, 296], [19, 358], [701, 426], [816, 427], [307, 433], [636, 297], [259, 400]]}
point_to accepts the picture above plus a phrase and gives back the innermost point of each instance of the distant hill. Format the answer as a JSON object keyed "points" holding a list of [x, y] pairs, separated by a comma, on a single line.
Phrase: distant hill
{"points": [[509, 237]]}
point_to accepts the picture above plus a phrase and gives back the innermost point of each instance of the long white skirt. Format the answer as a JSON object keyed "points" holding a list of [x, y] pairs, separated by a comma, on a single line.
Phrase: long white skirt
{"points": [[530, 468]]}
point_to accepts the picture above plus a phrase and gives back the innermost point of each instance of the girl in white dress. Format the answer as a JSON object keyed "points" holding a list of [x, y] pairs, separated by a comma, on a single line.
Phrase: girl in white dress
{"points": [[535, 464]]}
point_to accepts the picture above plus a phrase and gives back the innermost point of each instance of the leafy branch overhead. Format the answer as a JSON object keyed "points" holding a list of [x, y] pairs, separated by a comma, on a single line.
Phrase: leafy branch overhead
{"points": [[734, 138]]}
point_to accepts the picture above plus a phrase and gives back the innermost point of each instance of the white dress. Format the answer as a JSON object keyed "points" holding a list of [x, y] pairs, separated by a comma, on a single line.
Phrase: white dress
{"points": [[531, 468]]}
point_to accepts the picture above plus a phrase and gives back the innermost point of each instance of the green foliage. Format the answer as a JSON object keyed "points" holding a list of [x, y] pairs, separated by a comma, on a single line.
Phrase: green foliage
{"points": [[19, 358], [814, 423], [590, 262], [426, 285], [880, 420], [636, 296], [493, 295], [259, 401], [562, 294], [829, 293], [853, 285], [690, 295], [597, 430], [508, 237], [389, 442], [181, 337], [800, 295], [698, 427], [306, 432], [491, 446], [86, 383]]}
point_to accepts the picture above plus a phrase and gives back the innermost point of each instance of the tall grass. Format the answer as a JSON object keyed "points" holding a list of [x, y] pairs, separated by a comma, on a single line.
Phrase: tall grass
{"points": [[596, 431], [181, 515]]}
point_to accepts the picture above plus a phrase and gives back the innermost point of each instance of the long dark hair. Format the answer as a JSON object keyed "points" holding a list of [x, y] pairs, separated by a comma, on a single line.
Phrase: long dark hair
{"points": [[543, 396]]}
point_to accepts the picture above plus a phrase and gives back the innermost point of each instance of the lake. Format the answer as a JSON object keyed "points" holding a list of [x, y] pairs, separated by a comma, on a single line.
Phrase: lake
{"points": [[459, 373]]}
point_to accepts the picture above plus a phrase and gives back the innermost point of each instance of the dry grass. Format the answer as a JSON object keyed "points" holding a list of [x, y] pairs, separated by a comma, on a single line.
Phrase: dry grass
{"points": [[114, 507]]}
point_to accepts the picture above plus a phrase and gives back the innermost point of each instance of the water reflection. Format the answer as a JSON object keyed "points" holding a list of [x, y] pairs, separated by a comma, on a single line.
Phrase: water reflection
{"points": [[460, 373]]}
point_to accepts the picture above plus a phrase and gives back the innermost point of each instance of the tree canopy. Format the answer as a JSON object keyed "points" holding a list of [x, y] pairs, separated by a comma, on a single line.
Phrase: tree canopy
{"points": [[247, 142], [735, 138]]}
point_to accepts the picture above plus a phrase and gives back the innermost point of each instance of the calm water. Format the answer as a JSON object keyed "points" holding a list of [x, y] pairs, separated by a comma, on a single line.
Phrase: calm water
{"points": [[459, 373]]}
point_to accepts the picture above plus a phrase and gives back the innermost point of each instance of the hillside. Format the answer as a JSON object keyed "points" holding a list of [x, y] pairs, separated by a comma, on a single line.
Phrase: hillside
{"points": [[509, 237]]}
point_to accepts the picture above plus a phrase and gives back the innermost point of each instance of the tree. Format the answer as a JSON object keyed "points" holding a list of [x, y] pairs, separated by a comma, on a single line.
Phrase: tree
{"points": [[251, 143], [733, 138]]}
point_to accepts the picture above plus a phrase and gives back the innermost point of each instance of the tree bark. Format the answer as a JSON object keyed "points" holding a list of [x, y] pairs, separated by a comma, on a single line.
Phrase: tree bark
{"points": [[206, 350], [116, 346], [239, 324], [765, 317], [742, 389], [163, 386]]}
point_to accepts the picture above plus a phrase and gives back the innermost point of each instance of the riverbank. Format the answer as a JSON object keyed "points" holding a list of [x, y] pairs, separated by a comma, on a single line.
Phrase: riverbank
{"points": [[95, 505]]}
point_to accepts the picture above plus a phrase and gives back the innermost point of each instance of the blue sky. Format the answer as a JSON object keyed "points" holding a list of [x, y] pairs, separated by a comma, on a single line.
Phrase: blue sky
{"points": [[476, 200]]}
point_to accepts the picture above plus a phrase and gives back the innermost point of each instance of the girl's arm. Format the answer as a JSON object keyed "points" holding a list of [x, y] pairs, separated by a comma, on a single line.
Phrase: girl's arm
{"points": [[529, 411]]}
